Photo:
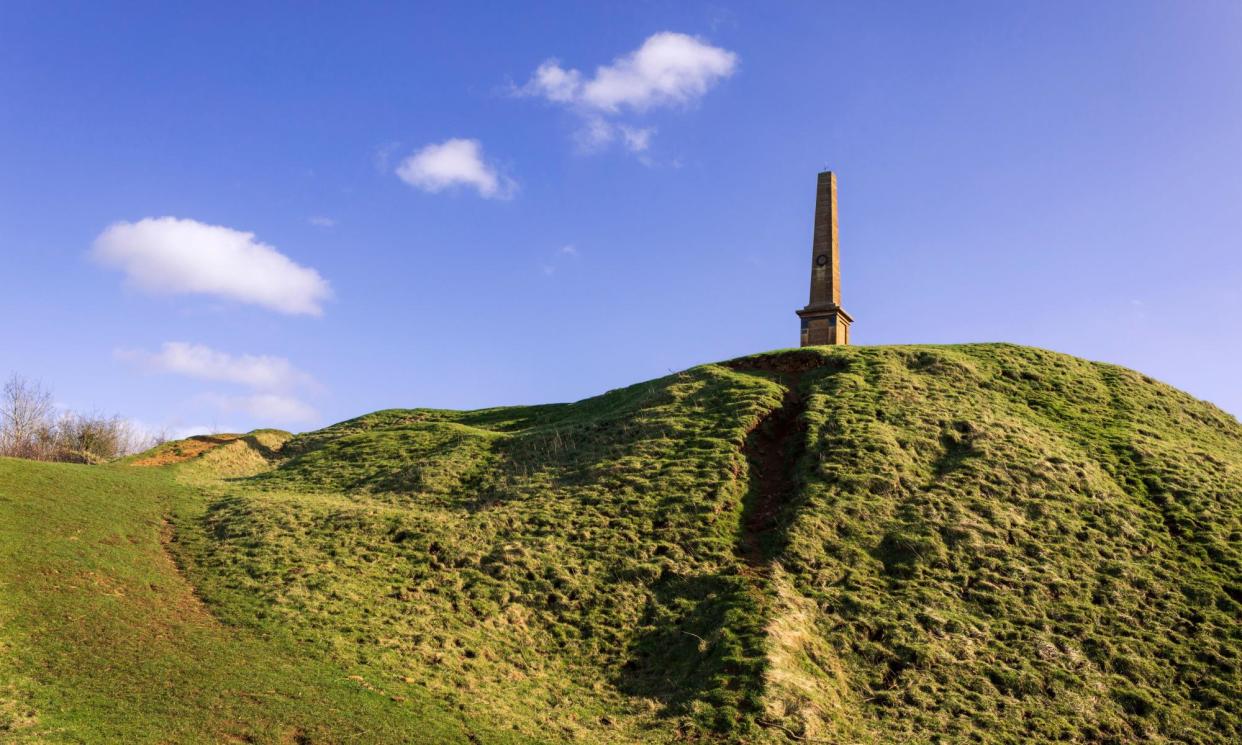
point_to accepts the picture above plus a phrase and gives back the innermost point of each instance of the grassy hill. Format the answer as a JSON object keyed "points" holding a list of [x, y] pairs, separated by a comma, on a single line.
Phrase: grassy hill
{"points": [[981, 543]]}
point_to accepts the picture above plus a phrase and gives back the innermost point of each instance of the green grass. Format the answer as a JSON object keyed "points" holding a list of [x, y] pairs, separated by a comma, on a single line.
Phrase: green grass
{"points": [[985, 543], [105, 642]]}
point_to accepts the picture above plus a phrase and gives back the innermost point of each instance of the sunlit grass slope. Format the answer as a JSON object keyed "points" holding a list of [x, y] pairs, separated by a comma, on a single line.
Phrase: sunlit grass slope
{"points": [[898, 544], [103, 641]]}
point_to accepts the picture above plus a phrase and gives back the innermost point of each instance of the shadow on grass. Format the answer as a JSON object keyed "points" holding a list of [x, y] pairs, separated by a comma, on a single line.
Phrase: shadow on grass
{"points": [[699, 650], [254, 444]]}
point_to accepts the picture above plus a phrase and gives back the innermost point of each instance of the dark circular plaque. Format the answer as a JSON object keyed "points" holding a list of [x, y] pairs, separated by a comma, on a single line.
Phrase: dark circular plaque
{"points": [[821, 260]]}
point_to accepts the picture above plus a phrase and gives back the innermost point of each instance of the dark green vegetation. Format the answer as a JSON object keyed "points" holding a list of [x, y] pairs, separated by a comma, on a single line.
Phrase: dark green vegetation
{"points": [[903, 544]]}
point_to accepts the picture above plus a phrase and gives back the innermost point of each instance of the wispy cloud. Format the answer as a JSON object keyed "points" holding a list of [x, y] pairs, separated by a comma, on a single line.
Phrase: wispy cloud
{"points": [[167, 255], [455, 163], [273, 382], [272, 408], [669, 69], [382, 157], [636, 138], [567, 252], [264, 372], [320, 221]]}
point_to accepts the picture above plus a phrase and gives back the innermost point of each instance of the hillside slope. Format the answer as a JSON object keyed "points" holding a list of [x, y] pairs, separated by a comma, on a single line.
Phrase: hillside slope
{"points": [[897, 544], [103, 641]]}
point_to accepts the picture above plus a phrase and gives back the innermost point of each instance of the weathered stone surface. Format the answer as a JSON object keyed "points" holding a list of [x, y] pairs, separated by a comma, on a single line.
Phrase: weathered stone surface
{"points": [[824, 321]]}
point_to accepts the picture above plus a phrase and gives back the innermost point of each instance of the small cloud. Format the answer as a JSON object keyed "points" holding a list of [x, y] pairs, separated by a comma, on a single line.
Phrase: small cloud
{"points": [[382, 156], [567, 252], [669, 69], [636, 139], [271, 380], [320, 221], [168, 255], [452, 163], [261, 372], [554, 83], [270, 408], [595, 134]]}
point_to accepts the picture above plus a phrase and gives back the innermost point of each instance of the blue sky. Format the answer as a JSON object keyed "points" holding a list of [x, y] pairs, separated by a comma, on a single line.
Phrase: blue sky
{"points": [[467, 205]]}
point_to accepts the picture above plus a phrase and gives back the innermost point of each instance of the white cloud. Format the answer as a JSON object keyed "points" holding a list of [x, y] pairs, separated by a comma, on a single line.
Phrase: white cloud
{"points": [[167, 255], [569, 249], [455, 162], [554, 83], [262, 372], [272, 381], [636, 139], [268, 408], [320, 221], [668, 69], [595, 133]]}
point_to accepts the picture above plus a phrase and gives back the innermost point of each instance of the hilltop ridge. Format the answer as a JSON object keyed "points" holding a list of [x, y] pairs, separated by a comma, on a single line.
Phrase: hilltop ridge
{"points": [[850, 544]]}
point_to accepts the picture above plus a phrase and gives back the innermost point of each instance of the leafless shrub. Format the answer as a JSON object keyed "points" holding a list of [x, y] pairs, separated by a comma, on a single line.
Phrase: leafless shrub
{"points": [[30, 428], [90, 437]]}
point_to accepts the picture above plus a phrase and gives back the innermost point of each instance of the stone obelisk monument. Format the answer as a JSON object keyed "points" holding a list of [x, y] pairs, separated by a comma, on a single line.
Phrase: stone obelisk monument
{"points": [[824, 321]]}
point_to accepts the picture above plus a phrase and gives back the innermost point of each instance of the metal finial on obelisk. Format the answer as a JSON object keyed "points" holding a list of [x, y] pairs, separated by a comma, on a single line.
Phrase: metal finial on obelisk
{"points": [[824, 321]]}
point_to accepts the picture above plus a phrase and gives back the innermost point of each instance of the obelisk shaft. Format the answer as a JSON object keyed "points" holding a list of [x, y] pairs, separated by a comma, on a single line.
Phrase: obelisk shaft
{"points": [[826, 247]]}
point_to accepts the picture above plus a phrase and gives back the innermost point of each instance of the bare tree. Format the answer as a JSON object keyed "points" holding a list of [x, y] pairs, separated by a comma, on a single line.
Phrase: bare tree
{"points": [[25, 418], [30, 427]]}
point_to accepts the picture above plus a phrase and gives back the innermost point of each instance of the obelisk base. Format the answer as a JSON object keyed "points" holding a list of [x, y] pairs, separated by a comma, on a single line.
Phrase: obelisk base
{"points": [[825, 325]]}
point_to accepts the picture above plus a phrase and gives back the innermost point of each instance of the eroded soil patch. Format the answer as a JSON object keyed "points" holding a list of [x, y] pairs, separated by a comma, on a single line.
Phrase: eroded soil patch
{"points": [[184, 450]]}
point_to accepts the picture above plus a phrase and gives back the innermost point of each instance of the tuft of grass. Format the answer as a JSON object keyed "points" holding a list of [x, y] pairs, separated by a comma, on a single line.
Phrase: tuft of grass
{"points": [[974, 543]]}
